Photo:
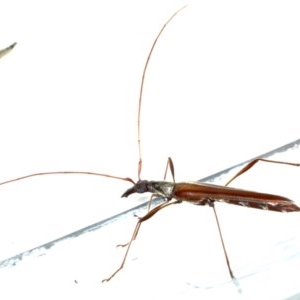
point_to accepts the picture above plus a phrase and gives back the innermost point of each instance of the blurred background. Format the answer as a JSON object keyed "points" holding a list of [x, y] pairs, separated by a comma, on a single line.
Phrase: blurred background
{"points": [[221, 88]]}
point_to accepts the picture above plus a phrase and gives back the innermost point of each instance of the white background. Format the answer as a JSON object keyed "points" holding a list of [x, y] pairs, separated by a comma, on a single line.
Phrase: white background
{"points": [[222, 87]]}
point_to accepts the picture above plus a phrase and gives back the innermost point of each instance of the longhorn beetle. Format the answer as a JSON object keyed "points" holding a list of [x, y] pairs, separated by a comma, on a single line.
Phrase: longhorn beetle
{"points": [[197, 193]]}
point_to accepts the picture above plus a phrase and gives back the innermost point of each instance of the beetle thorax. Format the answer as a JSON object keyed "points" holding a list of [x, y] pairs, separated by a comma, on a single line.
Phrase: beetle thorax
{"points": [[161, 188]]}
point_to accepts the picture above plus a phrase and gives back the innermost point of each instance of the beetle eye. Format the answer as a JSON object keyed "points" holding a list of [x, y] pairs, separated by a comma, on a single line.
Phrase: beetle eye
{"points": [[142, 186]]}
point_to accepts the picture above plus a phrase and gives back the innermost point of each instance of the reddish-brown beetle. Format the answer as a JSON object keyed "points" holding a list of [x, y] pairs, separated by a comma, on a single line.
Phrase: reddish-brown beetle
{"points": [[194, 192]]}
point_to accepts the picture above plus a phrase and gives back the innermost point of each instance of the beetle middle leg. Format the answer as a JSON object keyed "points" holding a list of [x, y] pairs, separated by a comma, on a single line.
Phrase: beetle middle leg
{"points": [[253, 162]]}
